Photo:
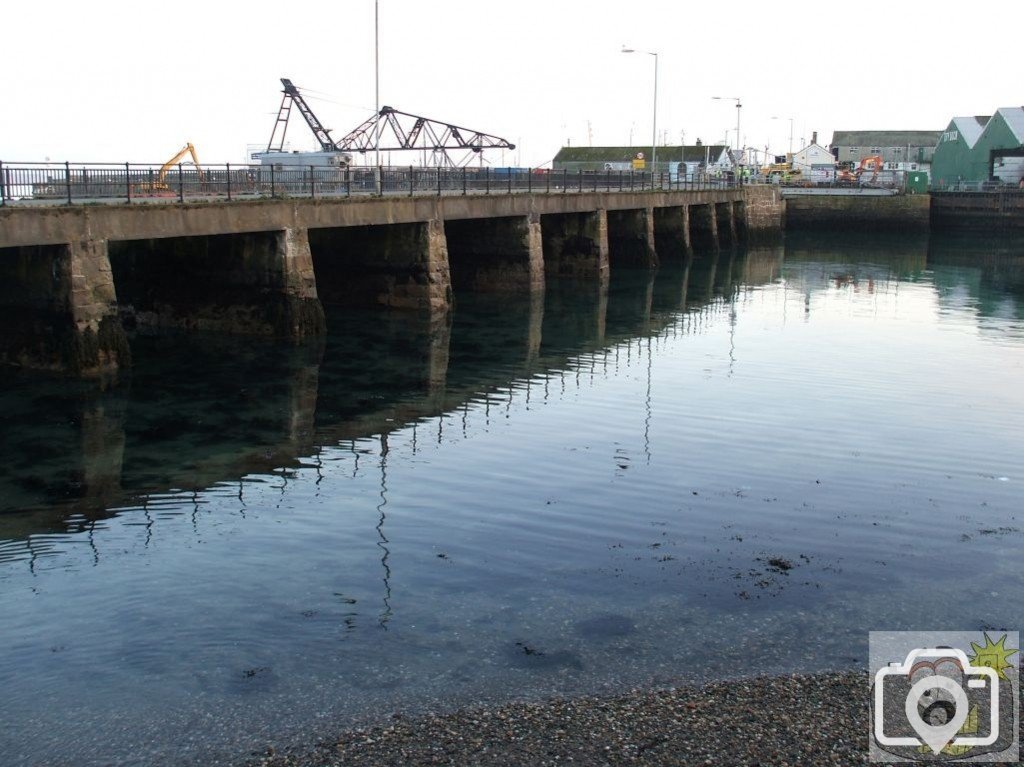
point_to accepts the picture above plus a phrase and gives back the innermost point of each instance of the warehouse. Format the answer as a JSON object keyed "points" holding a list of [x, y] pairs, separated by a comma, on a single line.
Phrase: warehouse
{"points": [[955, 160], [1000, 148], [900, 150]]}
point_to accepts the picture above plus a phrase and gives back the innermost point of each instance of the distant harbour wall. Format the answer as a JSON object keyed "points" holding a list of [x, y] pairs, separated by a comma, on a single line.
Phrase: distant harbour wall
{"points": [[859, 213], [978, 211]]}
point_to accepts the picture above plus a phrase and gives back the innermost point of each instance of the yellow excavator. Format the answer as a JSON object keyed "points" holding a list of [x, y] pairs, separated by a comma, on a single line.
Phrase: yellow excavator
{"points": [[160, 184]]}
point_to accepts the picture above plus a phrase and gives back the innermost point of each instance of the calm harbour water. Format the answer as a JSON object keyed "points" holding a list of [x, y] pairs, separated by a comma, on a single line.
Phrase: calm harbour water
{"points": [[241, 544]]}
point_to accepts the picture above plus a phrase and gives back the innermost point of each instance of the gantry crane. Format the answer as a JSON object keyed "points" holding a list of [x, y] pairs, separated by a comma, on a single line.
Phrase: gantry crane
{"points": [[390, 130]]}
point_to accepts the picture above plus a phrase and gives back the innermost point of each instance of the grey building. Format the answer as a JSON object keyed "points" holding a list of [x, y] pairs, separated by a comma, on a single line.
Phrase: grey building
{"points": [[914, 147]]}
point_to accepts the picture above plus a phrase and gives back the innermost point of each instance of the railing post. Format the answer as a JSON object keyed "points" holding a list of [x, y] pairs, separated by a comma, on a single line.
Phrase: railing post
{"points": [[128, 183], [487, 180], [581, 180], [273, 186], [67, 179], [412, 175], [229, 181], [348, 181], [3, 185], [438, 180], [181, 184], [312, 184], [509, 180], [547, 179], [565, 180], [463, 180], [529, 180]]}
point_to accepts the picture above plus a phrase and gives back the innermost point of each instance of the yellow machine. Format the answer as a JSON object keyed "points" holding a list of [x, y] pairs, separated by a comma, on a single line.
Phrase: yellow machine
{"points": [[782, 169], [160, 184]]}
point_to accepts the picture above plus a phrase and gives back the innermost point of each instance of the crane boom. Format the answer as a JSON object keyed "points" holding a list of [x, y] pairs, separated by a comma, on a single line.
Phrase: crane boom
{"points": [[292, 96], [391, 130]]}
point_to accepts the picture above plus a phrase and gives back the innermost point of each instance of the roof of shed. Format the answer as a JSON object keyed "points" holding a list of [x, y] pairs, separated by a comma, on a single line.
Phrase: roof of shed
{"points": [[970, 127], [880, 138], [1014, 117], [694, 153]]}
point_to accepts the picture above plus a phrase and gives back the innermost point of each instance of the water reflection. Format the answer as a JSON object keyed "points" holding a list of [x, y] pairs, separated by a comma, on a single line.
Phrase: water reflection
{"points": [[200, 412], [268, 539]]}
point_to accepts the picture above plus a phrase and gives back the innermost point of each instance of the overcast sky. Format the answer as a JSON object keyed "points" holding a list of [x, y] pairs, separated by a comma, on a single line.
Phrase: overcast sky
{"points": [[115, 81]]}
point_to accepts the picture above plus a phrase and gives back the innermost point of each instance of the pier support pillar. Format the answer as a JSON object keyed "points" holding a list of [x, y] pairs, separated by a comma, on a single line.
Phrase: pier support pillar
{"points": [[252, 283], [725, 223], [631, 238], [739, 218], [302, 313], [672, 233], [399, 266], [704, 227], [575, 244], [58, 309], [496, 254]]}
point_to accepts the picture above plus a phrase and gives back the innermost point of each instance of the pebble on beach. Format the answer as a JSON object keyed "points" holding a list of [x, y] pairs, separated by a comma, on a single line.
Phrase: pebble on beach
{"points": [[769, 721]]}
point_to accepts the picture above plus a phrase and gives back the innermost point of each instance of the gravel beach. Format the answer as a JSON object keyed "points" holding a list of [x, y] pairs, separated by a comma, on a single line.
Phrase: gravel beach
{"points": [[770, 721]]}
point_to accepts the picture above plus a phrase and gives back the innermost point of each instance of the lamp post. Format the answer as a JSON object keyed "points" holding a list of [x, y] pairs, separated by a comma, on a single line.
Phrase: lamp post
{"points": [[376, 95], [790, 131], [654, 121], [739, 106]]}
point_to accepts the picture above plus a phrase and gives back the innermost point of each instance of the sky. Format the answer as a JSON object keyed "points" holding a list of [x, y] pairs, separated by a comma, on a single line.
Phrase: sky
{"points": [[112, 81]]}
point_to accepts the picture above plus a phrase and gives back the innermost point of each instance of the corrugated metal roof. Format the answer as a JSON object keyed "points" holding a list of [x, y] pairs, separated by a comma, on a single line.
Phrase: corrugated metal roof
{"points": [[1014, 117], [694, 153], [886, 138], [971, 127]]}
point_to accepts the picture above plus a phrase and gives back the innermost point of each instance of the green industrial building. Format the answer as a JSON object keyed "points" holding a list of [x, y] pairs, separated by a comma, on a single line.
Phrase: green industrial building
{"points": [[975, 150], [1001, 146], [955, 160]]}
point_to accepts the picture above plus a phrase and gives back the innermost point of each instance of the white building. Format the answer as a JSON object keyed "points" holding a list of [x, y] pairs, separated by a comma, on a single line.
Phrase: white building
{"points": [[815, 162]]}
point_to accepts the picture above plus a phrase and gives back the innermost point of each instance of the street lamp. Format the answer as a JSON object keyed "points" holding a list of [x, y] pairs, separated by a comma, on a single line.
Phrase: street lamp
{"points": [[654, 121], [739, 106], [790, 131]]}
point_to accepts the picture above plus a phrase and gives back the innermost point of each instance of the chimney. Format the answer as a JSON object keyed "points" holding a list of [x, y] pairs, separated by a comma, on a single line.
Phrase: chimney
{"points": [[698, 143], [814, 137]]}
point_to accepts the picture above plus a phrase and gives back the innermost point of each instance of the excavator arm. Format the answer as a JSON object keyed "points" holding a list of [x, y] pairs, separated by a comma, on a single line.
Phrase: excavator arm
{"points": [[188, 149]]}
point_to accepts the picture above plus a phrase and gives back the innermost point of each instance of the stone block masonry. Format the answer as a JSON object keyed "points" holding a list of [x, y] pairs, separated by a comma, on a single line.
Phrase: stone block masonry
{"points": [[59, 309], [857, 213], [74, 277]]}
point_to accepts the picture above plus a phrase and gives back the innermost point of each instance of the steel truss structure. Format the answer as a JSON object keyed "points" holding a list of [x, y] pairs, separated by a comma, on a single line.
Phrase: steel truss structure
{"points": [[394, 131]]}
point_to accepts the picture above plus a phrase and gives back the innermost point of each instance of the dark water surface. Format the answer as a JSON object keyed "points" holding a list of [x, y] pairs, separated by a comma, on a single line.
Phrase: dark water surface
{"points": [[738, 466]]}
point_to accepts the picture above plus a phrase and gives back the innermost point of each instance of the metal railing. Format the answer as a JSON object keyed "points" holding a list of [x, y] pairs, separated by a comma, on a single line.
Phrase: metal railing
{"points": [[23, 183], [1004, 187]]}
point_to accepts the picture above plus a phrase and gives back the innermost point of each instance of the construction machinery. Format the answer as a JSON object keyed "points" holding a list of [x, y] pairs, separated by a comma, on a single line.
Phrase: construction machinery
{"points": [[389, 130], [330, 153], [159, 184], [781, 170], [848, 175]]}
